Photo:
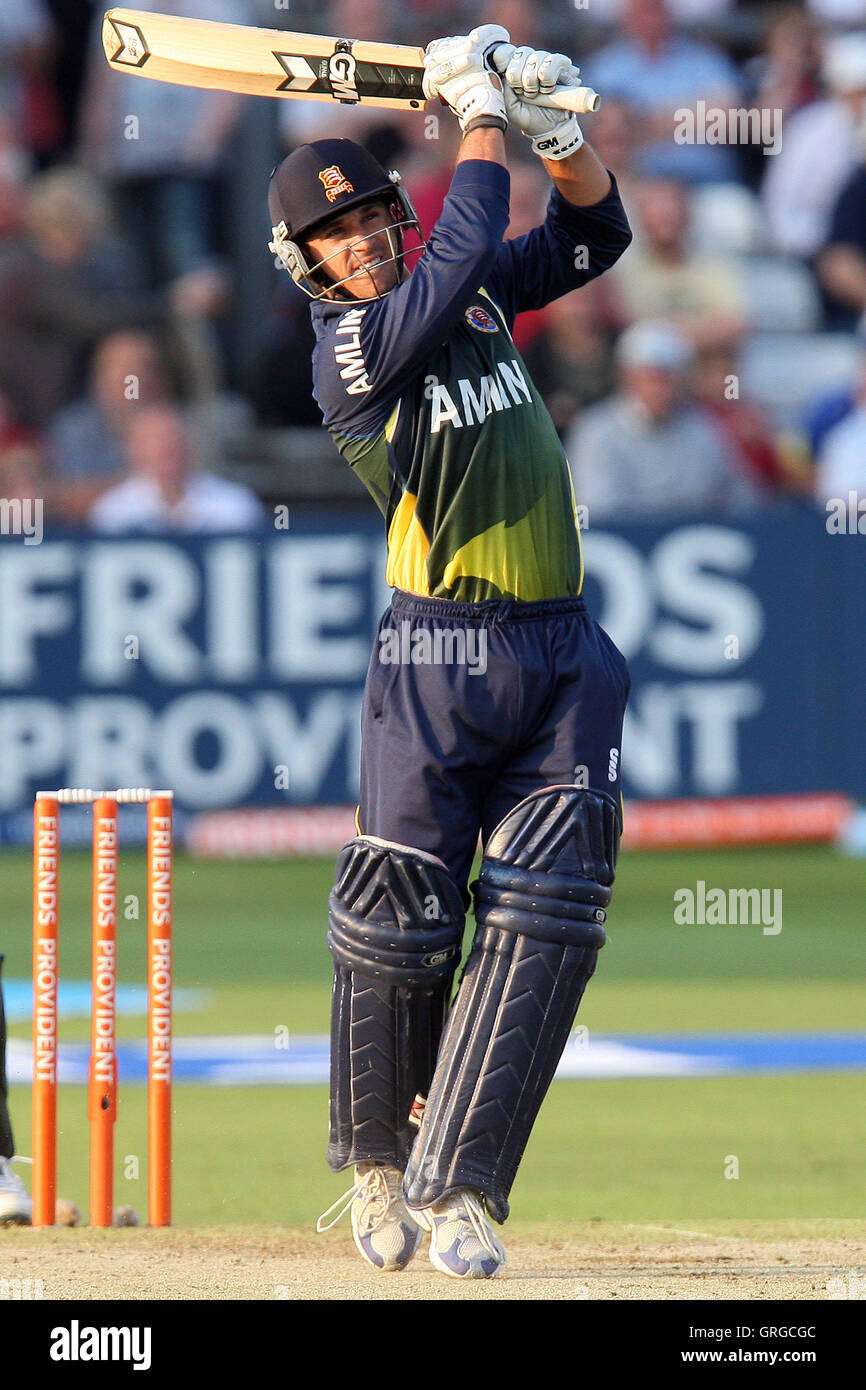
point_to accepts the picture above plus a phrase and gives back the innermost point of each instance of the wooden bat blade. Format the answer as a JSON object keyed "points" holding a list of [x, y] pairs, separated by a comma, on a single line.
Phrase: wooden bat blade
{"points": [[276, 63], [263, 62]]}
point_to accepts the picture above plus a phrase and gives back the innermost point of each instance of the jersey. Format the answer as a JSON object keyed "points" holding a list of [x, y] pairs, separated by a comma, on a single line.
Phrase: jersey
{"points": [[429, 401]]}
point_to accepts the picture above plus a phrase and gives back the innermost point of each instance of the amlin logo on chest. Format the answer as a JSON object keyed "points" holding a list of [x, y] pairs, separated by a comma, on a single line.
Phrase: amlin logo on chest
{"points": [[479, 397]]}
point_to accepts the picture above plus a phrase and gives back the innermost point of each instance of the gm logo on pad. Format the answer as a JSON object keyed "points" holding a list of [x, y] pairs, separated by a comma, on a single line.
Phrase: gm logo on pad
{"points": [[479, 318]]}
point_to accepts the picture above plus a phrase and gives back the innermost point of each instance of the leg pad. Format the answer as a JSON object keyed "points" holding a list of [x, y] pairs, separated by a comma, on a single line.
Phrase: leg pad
{"points": [[396, 926], [541, 900]]}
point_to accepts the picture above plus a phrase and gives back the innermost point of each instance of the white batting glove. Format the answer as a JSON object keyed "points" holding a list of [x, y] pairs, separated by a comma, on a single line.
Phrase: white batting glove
{"points": [[528, 73], [455, 70]]}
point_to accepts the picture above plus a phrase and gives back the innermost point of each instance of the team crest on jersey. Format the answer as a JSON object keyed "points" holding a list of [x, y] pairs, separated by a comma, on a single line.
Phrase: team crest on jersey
{"points": [[477, 317], [335, 182]]}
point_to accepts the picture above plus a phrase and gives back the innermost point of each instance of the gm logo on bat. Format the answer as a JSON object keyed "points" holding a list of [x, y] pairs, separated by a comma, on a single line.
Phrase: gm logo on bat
{"points": [[341, 75]]}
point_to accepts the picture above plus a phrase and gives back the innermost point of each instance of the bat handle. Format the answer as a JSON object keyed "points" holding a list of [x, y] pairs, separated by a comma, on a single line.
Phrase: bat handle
{"points": [[581, 100]]}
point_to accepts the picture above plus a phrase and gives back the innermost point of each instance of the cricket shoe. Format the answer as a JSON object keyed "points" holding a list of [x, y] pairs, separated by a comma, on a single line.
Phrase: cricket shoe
{"points": [[16, 1204], [383, 1228], [462, 1242]]}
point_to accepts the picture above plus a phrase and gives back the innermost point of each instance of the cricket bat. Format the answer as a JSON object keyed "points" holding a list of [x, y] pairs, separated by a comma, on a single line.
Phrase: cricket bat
{"points": [[275, 63]]}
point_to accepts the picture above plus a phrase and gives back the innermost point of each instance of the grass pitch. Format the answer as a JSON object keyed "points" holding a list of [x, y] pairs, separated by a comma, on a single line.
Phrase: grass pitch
{"points": [[632, 1151]]}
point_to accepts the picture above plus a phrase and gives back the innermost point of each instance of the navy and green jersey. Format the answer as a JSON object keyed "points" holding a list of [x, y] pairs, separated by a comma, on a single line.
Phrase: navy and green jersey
{"points": [[429, 401]]}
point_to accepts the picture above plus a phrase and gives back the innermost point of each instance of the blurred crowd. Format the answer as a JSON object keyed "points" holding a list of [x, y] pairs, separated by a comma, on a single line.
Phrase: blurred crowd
{"points": [[721, 365]]}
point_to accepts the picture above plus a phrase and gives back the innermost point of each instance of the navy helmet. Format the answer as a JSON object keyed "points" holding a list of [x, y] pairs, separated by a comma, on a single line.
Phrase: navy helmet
{"points": [[319, 181]]}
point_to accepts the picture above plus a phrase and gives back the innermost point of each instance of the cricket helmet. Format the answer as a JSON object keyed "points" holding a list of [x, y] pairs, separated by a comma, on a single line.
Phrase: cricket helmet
{"points": [[319, 181]]}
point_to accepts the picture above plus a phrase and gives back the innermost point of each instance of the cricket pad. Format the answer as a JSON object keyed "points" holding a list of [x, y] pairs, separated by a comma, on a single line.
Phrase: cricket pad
{"points": [[540, 905], [396, 927]]}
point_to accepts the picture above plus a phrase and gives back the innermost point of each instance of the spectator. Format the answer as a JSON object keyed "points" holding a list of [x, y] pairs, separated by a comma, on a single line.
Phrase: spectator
{"points": [[25, 47], [660, 73], [651, 452], [72, 23], [841, 263], [699, 11], [842, 460], [526, 21], [662, 278], [786, 74], [571, 362], [774, 464], [283, 381], [88, 438], [614, 132], [784, 77], [160, 148], [803, 181], [427, 170], [11, 429], [167, 489], [13, 180], [837, 11], [681, 11], [823, 413], [63, 286], [530, 189], [23, 488]]}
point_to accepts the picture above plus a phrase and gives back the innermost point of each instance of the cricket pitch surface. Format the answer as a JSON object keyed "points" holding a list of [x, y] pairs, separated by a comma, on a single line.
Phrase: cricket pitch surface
{"points": [[718, 1260]]}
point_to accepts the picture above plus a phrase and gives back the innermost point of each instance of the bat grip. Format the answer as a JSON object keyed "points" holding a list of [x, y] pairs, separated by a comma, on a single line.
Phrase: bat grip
{"points": [[580, 100]]}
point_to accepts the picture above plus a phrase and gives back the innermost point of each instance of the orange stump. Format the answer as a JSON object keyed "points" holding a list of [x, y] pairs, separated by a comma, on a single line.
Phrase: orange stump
{"points": [[46, 865], [103, 1081], [159, 990], [102, 1093]]}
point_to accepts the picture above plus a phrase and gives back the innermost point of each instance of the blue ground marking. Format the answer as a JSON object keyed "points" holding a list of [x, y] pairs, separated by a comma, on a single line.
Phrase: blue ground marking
{"points": [[73, 1000], [765, 1051], [259, 1061]]}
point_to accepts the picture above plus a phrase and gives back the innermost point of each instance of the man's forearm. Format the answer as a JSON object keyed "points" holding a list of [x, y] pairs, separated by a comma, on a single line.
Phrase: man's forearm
{"points": [[581, 177], [484, 142]]}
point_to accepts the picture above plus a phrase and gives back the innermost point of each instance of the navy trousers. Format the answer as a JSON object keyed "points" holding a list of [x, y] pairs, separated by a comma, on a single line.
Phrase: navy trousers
{"points": [[470, 707]]}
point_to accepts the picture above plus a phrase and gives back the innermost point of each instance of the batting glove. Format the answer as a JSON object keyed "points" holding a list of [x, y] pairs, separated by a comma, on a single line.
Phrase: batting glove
{"points": [[528, 73], [455, 70]]}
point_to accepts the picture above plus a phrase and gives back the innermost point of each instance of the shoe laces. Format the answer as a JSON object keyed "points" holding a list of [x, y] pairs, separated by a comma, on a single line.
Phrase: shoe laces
{"points": [[471, 1206], [373, 1186]]}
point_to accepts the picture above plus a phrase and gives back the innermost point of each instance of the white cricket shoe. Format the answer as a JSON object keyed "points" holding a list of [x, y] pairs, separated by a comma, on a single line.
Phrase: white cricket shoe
{"points": [[383, 1228], [16, 1204], [462, 1242]]}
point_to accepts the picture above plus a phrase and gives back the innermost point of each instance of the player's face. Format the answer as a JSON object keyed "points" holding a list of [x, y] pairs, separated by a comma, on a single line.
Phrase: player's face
{"points": [[356, 249]]}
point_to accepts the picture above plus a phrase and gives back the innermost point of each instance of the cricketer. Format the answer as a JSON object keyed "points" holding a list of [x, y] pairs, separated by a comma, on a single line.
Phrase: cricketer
{"points": [[429, 401]]}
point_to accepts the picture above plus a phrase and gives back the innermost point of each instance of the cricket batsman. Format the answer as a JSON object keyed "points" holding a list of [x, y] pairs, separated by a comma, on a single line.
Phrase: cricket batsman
{"points": [[494, 702]]}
